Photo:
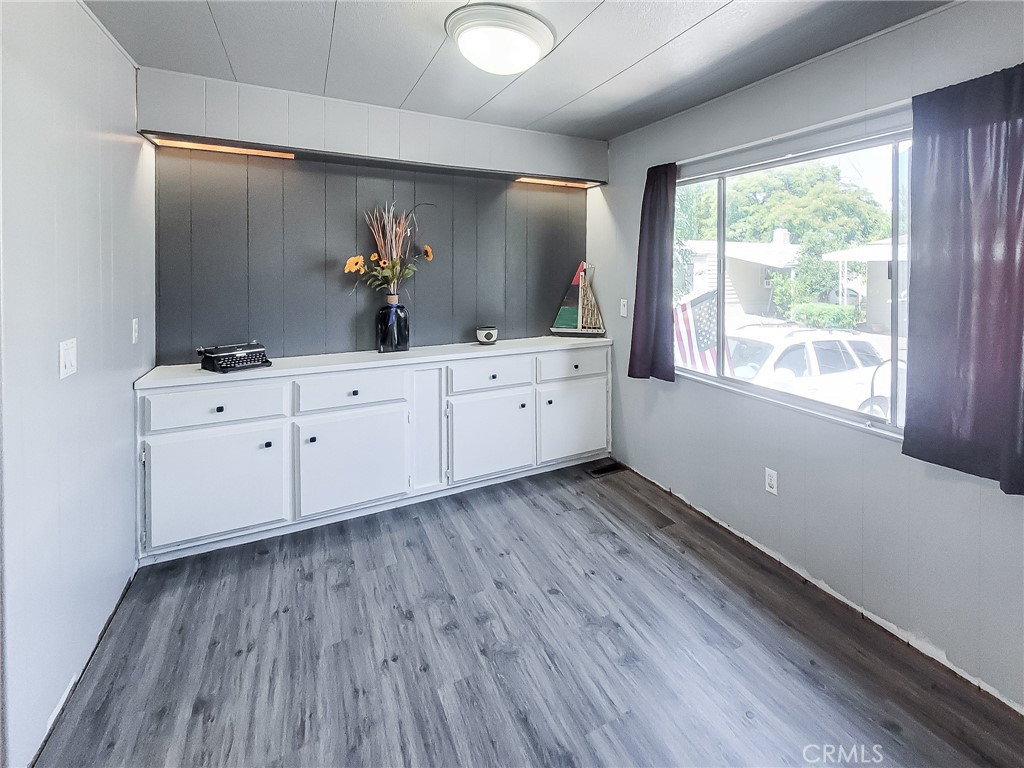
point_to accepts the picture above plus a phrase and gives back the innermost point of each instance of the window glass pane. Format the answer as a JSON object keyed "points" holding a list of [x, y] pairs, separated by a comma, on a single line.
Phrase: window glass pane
{"points": [[832, 357], [808, 249], [866, 353], [695, 276], [903, 278], [793, 360], [747, 357]]}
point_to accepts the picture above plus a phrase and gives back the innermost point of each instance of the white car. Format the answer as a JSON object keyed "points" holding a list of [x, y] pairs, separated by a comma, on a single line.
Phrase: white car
{"points": [[843, 368]]}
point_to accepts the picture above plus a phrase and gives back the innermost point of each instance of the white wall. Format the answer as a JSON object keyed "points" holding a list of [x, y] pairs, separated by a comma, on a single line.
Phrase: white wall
{"points": [[171, 102], [936, 554], [77, 261]]}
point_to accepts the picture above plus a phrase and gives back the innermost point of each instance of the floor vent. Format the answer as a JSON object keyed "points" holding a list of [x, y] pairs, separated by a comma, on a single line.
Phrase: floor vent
{"points": [[603, 467]]}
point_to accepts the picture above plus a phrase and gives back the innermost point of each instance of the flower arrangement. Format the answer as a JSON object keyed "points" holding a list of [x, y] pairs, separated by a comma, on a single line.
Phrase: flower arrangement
{"points": [[396, 258]]}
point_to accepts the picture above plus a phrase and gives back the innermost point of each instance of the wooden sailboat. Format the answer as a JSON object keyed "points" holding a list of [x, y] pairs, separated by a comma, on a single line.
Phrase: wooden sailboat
{"points": [[579, 314]]}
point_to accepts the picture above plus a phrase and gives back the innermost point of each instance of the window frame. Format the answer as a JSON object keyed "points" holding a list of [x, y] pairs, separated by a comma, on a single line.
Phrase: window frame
{"points": [[888, 427]]}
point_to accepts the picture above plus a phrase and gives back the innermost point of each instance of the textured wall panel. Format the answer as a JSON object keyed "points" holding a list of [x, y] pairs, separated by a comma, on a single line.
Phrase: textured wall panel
{"points": [[253, 248]]}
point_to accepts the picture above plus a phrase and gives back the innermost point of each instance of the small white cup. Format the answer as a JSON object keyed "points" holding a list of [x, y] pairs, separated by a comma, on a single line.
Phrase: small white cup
{"points": [[486, 334]]}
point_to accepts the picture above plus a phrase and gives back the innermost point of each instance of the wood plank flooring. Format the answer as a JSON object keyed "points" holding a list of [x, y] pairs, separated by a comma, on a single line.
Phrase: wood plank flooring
{"points": [[559, 620]]}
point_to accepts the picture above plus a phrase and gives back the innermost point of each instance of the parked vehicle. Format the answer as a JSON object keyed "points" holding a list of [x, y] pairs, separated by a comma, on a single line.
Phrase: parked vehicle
{"points": [[847, 369]]}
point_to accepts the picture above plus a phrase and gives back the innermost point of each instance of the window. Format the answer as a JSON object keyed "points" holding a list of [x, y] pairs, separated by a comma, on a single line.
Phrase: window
{"points": [[786, 277]]}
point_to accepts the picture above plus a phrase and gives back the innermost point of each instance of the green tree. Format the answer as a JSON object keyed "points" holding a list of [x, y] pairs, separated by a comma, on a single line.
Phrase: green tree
{"points": [[821, 211], [809, 198]]}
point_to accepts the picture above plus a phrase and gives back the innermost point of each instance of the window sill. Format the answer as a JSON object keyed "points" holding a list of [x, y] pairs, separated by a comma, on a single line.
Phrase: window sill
{"points": [[798, 404]]}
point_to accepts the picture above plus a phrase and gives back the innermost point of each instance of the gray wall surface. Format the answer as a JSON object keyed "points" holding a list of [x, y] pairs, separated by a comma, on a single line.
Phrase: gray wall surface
{"points": [[254, 248], [936, 555], [77, 262]]}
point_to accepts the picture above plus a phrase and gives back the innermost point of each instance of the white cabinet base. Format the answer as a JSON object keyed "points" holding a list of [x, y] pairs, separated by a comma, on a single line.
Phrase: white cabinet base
{"points": [[324, 438], [303, 524]]}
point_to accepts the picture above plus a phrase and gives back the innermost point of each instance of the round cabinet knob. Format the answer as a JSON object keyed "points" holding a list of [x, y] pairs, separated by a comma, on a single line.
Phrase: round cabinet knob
{"points": [[355, 393], [522, 405], [550, 402], [576, 366], [268, 444], [312, 439], [494, 376], [219, 409]]}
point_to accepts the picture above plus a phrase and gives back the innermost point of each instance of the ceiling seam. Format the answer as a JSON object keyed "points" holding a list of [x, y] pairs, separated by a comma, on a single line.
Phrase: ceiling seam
{"points": [[402, 104], [559, 43], [222, 44], [330, 47], [626, 69]]}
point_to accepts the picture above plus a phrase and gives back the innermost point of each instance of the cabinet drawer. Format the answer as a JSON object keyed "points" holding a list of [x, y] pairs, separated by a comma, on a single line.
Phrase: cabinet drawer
{"points": [[173, 410], [490, 373], [341, 390], [569, 363]]}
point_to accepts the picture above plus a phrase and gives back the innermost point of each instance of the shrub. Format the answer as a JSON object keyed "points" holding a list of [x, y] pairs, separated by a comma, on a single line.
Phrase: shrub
{"points": [[818, 315]]}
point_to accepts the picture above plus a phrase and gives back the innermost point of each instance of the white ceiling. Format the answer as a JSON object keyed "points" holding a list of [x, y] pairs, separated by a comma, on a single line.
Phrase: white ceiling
{"points": [[617, 64]]}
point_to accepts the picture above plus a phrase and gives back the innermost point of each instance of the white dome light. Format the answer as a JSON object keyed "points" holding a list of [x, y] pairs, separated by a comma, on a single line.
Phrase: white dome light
{"points": [[498, 38]]}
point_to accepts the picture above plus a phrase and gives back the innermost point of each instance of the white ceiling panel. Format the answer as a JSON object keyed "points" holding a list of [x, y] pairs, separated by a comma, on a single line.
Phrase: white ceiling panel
{"points": [[380, 49], [616, 65], [694, 60], [181, 37], [622, 32], [277, 44], [453, 87], [744, 42]]}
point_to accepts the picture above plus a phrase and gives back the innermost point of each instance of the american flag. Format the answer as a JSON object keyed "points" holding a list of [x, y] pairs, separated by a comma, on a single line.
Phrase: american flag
{"points": [[697, 333]]}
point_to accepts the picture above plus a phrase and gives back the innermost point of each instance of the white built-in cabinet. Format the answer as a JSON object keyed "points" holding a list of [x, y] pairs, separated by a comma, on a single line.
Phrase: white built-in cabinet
{"points": [[226, 458]]}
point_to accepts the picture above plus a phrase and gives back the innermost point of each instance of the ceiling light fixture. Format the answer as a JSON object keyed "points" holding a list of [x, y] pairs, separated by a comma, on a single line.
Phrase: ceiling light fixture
{"points": [[558, 182], [499, 39], [180, 144]]}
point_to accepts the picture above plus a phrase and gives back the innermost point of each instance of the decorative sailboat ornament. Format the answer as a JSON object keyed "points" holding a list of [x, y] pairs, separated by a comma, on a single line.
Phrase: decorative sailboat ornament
{"points": [[579, 314]]}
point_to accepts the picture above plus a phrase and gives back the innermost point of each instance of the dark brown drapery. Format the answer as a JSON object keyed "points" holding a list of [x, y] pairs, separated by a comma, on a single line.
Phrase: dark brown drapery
{"points": [[651, 351], [965, 346]]}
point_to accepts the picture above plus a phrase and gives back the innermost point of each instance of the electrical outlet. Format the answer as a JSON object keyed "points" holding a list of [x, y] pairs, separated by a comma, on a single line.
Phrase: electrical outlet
{"points": [[135, 330], [623, 307], [68, 357], [771, 481]]}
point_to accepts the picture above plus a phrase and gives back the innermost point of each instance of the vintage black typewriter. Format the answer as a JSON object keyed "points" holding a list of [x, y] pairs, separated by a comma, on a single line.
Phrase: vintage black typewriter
{"points": [[233, 357]]}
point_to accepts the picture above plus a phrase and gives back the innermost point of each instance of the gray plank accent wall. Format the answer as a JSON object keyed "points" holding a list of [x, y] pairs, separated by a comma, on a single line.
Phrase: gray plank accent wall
{"points": [[253, 248]]}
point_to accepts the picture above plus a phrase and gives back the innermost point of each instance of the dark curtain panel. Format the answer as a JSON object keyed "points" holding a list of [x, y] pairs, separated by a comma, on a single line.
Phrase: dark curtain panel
{"points": [[965, 366], [651, 352]]}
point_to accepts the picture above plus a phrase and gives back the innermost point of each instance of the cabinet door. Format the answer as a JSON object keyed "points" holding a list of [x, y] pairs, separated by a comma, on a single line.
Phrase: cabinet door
{"points": [[572, 418], [352, 458], [491, 434], [215, 481]]}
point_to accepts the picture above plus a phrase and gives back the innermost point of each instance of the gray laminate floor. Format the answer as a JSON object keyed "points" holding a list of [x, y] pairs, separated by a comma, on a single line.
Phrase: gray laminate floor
{"points": [[557, 620]]}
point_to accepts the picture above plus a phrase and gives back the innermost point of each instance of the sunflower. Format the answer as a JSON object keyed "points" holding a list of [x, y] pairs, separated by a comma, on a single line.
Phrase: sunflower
{"points": [[373, 256], [356, 264], [428, 253]]}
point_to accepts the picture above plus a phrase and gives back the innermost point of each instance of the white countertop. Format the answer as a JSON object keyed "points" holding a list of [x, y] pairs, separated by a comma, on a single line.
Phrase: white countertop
{"points": [[183, 375]]}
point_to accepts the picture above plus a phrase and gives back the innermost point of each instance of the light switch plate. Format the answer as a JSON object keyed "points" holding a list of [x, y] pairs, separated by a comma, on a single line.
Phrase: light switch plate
{"points": [[771, 481], [623, 307], [68, 357]]}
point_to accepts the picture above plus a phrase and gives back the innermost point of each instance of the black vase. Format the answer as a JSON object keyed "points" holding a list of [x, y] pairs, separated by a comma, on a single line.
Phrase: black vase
{"points": [[392, 326]]}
